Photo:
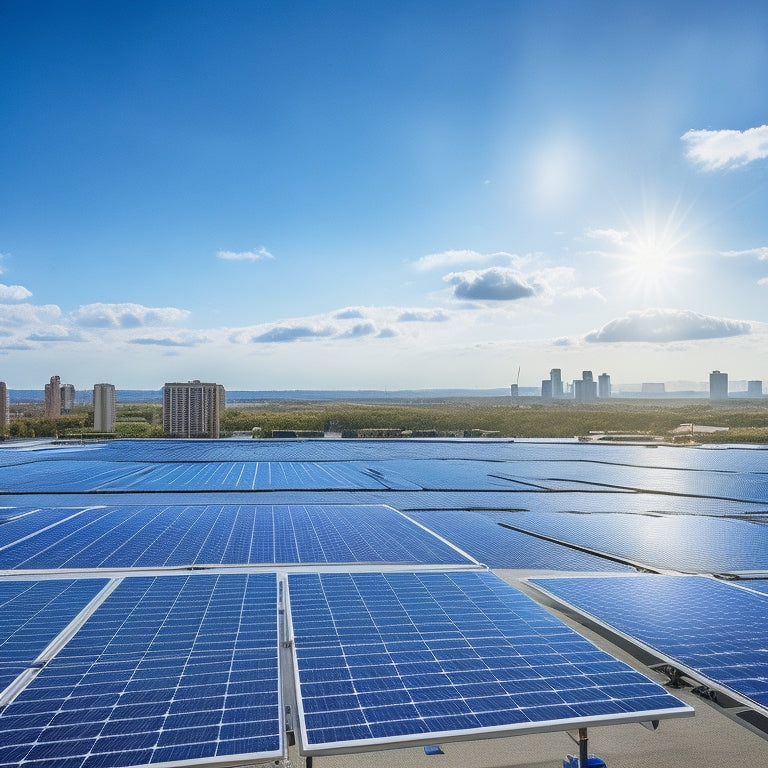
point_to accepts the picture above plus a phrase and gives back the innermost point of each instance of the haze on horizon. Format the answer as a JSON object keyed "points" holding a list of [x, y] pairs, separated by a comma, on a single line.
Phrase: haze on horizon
{"points": [[340, 195]]}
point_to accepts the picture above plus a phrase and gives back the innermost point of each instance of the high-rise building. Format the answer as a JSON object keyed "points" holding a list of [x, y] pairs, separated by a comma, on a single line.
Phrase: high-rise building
{"points": [[718, 386], [104, 407], [193, 409], [53, 398], [5, 412], [755, 388], [603, 385], [585, 389], [546, 389], [67, 397], [556, 377]]}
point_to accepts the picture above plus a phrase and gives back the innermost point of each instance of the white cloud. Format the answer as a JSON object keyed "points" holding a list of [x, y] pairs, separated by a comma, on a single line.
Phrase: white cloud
{"points": [[452, 258], [763, 281], [615, 236], [492, 284], [758, 253], [422, 316], [667, 325], [280, 334], [127, 316], [18, 315], [713, 150], [254, 255], [13, 292]]}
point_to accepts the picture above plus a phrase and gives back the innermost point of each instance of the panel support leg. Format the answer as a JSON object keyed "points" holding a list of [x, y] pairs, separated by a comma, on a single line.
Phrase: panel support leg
{"points": [[583, 743]]}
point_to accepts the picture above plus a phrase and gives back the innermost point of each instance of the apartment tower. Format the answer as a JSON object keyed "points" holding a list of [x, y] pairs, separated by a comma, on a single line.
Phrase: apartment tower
{"points": [[718, 386], [104, 407], [5, 412], [53, 398], [193, 409]]}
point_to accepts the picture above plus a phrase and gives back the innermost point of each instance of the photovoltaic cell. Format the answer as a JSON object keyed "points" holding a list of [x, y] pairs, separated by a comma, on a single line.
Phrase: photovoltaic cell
{"points": [[714, 629], [389, 658], [166, 669], [32, 614]]}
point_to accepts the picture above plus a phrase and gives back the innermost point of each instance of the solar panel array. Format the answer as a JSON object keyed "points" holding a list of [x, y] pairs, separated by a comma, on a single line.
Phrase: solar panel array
{"points": [[159, 536], [713, 628], [166, 669], [383, 658]]}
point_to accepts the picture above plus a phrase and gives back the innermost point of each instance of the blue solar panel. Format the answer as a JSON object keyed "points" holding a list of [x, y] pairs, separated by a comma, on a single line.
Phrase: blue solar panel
{"points": [[155, 536], [387, 658], [687, 543], [32, 614], [481, 536], [167, 669], [715, 629]]}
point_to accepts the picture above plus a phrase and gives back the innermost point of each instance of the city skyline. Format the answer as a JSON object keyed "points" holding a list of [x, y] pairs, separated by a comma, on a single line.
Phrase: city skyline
{"points": [[394, 196]]}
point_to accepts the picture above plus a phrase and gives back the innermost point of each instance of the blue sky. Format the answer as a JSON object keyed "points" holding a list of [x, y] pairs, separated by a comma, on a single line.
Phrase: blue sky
{"points": [[347, 195]]}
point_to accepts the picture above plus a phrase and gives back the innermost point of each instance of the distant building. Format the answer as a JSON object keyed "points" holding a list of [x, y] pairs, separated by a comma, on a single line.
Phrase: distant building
{"points": [[67, 398], [585, 388], [546, 389], [53, 398], [718, 386], [514, 390], [193, 409], [556, 377], [755, 388], [603, 386], [5, 412], [104, 407], [653, 388]]}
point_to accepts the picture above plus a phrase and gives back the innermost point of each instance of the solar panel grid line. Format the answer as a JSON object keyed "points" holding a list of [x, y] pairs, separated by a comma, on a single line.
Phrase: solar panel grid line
{"points": [[366, 680], [38, 531]]}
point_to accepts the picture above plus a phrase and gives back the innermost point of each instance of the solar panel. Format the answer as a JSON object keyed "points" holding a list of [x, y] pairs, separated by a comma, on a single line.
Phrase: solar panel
{"points": [[158, 536], [32, 614], [175, 668], [384, 659], [689, 543], [712, 628]]}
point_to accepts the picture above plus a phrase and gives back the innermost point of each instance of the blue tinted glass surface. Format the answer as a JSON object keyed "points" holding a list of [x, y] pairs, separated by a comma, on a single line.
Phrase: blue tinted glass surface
{"points": [[403, 656], [714, 628], [171, 668]]}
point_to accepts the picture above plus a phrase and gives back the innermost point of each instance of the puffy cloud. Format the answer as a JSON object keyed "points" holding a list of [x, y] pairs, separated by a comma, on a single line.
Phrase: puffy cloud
{"points": [[55, 333], [423, 316], [166, 342], [757, 253], [18, 315], [349, 314], [287, 333], [13, 292], [492, 284], [386, 333], [667, 325], [358, 330], [615, 236], [453, 257], [127, 316], [255, 255], [713, 150]]}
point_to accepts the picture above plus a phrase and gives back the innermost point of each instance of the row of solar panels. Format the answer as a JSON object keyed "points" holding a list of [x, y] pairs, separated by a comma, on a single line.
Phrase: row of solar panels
{"points": [[144, 670], [246, 534], [100, 473], [739, 459]]}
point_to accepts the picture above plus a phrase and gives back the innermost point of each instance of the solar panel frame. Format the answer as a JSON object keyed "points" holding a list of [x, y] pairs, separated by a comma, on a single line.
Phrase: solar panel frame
{"points": [[386, 660]]}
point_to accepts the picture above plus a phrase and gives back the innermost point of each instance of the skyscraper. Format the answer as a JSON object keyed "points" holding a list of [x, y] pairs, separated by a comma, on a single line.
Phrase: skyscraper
{"points": [[67, 398], [104, 407], [718, 386], [53, 398], [755, 388], [585, 389], [556, 377], [192, 409], [5, 413], [603, 385]]}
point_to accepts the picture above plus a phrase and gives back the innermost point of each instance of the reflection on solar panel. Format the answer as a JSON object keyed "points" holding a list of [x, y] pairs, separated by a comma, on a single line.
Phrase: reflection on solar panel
{"points": [[716, 630], [32, 613], [680, 542], [166, 669], [482, 537], [387, 658], [153, 536]]}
